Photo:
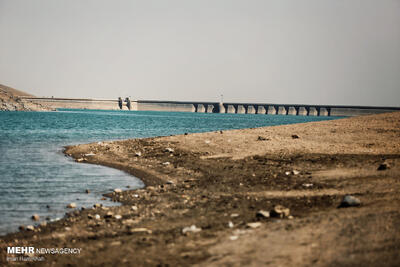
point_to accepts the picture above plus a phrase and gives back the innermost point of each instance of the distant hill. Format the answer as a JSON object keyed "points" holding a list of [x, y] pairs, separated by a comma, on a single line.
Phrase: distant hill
{"points": [[12, 100]]}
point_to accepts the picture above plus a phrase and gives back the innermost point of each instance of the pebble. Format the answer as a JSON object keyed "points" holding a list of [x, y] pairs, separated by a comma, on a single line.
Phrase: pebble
{"points": [[71, 205], [87, 191], [134, 208], [260, 138], [30, 228], [233, 237], [262, 214], [97, 217], [118, 217], [207, 141], [170, 150], [97, 205], [280, 211], [138, 154], [234, 215], [21, 227], [349, 201], [295, 172], [35, 217], [118, 190], [109, 215], [140, 230], [254, 224], [191, 229], [230, 225], [295, 136], [166, 163], [307, 185], [383, 166]]}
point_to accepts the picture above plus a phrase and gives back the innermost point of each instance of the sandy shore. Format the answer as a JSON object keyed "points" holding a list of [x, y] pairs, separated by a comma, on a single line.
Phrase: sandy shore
{"points": [[219, 181]]}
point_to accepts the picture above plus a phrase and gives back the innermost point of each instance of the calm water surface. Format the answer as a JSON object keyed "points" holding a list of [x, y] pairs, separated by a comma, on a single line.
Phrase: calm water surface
{"points": [[34, 173]]}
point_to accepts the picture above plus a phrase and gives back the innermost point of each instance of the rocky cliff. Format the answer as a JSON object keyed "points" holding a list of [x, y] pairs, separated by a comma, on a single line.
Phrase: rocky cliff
{"points": [[13, 100]]}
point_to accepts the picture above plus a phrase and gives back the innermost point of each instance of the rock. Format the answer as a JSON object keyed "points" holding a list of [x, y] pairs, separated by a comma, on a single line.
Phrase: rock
{"points": [[169, 150], [138, 154], [21, 227], [109, 215], [295, 172], [89, 154], [280, 211], [307, 185], [35, 217], [166, 163], [169, 182], [186, 134], [191, 229], [30, 228], [233, 237], [67, 229], [97, 205], [262, 214], [207, 141], [118, 217], [87, 191], [90, 216], [383, 166], [230, 224], [234, 215], [71, 205], [117, 190], [287, 173], [221, 132], [97, 217], [253, 225], [134, 208], [295, 136], [140, 230], [48, 206], [128, 222], [80, 160], [260, 138], [349, 201], [103, 198]]}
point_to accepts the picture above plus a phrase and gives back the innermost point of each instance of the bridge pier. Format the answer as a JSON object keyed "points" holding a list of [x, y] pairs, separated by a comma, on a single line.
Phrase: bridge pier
{"points": [[281, 110], [251, 109], [261, 110], [271, 110], [303, 111]]}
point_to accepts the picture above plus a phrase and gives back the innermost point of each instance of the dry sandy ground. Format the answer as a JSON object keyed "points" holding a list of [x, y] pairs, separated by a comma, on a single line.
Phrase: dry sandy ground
{"points": [[219, 181], [10, 100]]}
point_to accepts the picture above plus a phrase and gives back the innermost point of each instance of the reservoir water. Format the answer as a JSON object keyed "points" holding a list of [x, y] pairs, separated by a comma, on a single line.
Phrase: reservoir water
{"points": [[37, 178]]}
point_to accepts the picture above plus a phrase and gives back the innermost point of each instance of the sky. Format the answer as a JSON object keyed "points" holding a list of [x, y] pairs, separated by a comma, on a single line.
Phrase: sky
{"points": [[268, 51]]}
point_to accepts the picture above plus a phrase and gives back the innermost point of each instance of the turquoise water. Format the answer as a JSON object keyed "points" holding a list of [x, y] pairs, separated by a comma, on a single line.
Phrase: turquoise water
{"points": [[34, 173]]}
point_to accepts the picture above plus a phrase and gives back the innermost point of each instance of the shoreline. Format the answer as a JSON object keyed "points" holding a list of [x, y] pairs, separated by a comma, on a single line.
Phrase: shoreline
{"points": [[204, 179]]}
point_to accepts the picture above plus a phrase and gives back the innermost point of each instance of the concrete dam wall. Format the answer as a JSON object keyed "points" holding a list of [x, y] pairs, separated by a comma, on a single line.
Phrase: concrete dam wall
{"points": [[212, 107]]}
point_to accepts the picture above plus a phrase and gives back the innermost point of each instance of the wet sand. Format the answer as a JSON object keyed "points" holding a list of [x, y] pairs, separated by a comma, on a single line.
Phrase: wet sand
{"points": [[219, 181]]}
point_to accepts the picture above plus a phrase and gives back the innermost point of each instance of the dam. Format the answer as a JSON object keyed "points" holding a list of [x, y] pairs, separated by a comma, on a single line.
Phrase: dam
{"points": [[211, 107]]}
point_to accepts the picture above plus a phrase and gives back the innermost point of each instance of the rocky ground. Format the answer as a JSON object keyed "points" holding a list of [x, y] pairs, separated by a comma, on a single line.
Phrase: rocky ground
{"points": [[254, 197], [12, 100]]}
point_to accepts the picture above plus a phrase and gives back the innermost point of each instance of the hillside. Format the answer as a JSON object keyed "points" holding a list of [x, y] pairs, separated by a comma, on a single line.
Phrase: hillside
{"points": [[12, 100]]}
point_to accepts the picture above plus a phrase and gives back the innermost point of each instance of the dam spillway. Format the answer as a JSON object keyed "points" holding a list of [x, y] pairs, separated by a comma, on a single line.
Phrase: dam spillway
{"points": [[212, 107]]}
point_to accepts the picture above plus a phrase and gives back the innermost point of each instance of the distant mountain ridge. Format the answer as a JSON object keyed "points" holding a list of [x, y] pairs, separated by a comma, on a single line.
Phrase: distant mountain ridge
{"points": [[11, 100]]}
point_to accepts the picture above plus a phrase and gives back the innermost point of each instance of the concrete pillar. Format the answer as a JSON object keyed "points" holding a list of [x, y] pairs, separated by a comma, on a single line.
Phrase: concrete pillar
{"points": [[231, 109], [201, 108], [291, 111], [281, 110], [222, 108], [323, 112], [302, 111], [261, 110], [240, 109], [271, 110], [251, 109], [210, 108], [312, 111]]}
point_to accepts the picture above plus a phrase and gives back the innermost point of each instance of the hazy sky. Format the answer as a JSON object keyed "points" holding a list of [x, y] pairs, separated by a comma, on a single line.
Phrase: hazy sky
{"points": [[308, 51]]}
